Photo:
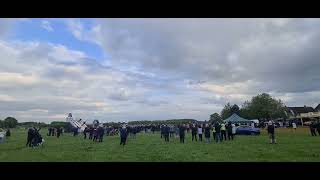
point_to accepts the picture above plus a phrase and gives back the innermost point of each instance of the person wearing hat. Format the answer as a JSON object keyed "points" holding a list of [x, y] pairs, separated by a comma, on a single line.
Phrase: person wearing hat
{"points": [[123, 135], [271, 132]]}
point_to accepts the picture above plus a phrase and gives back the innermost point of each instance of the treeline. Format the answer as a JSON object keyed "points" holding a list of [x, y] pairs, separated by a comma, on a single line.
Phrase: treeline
{"points": [[159, 122], [9, 122], [262, 107]]}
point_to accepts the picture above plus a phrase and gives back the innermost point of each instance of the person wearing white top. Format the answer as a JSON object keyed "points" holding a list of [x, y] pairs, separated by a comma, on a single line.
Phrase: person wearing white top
{"points": [[200, 132], [233, 130], [223, 132], [294, 126]]}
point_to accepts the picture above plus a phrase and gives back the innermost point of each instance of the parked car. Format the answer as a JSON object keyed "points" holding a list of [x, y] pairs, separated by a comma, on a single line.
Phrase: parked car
{"points": [[247, 130]]}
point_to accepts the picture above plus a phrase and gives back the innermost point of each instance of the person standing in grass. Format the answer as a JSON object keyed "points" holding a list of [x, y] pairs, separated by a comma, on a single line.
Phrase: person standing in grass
{"points": [[177, 131], [213, 132], [318, 127], [182, 133], [217, 127], [200, 132], [194, 132], [59, 130], [166, 133], [234, 130], [123, 135], [207, 133], [294, 126], [313, 129], [223, 131], [229, 130], [271, 132]]}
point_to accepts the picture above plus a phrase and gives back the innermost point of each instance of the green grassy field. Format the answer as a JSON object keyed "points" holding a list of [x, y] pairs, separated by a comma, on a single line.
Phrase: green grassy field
{"points": [[292, 146]]}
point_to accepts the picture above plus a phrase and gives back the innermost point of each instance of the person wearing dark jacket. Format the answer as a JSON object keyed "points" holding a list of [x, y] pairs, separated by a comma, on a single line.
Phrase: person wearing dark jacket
{"points": [[229, 130], [123, 135], [166, 133], [182, 133], [91, 133], [59, 130], [313, 129], [8, 133], [30, 136], [271, 132], [100, 132], [95, 135], [217, 128], [194, 132], [207, 133], [318, 127], [85, 133]]}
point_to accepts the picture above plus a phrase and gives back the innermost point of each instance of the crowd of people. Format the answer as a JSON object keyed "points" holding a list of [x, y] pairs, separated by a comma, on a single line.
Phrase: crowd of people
{"points": [[220, 132], [34, 137], [55, 131]]}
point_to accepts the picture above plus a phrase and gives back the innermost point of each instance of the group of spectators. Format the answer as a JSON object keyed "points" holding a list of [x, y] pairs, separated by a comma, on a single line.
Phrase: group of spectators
{"points": [[55, 131], [220, 131]]}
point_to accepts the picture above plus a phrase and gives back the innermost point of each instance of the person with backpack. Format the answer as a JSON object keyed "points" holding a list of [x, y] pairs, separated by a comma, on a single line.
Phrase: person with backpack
{"points": [[200, 132], [271, 132]]}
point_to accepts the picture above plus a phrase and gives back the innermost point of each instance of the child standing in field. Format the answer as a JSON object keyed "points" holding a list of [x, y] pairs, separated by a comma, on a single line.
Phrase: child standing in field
{"points": [[271, 133]]}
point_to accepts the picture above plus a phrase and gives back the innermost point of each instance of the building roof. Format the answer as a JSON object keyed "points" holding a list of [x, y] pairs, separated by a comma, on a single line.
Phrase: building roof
{"points": [[234, 118], [299, 110], [317, 108]]}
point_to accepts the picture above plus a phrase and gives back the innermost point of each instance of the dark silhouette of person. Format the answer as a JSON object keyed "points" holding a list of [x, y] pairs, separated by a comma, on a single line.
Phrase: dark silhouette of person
{"points": [[182, 133], [123, 135], [318, 127], [95, 135], [194, 132], [313, 129], [217, 128], [8, 133], [91, 133], [59, 130], [30, 136], [229, 130], [85, 132], [100, 133], [166, 133]]}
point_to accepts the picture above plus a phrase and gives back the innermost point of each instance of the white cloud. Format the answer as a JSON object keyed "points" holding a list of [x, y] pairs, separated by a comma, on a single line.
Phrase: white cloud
{"points": [[47, 26]]}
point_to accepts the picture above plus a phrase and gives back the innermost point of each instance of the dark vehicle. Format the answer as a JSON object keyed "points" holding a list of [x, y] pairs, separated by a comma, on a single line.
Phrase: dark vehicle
{"points": [[247, 130]]}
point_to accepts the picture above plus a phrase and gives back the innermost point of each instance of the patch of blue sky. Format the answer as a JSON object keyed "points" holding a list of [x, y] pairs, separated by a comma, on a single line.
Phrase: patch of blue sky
{"points": [[32, 30]]}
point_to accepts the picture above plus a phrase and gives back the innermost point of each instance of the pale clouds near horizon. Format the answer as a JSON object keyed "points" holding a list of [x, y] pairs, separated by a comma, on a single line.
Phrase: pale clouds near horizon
{"points": [[156, 68]]}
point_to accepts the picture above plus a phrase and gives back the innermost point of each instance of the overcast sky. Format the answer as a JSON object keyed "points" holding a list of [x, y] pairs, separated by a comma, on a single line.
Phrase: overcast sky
{"points": [[150, 69]]}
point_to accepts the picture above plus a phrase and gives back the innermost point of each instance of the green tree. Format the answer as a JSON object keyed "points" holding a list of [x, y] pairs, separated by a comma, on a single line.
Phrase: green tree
{"points": [[226, 111], [215, 117], [263, 107], [10, 122], [235, 109]]}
